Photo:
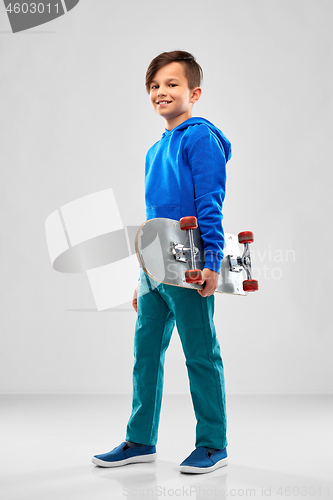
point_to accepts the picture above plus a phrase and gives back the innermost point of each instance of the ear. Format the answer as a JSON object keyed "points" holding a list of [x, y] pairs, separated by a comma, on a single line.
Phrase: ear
{"points": [[195, 94]]}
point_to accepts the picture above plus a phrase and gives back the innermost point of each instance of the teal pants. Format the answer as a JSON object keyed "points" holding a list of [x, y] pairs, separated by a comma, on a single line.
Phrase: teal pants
{"points": [[160, 307]]}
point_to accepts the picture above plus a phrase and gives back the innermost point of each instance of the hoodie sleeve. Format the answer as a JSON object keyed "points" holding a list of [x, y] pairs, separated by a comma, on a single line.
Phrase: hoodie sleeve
{"points": [[208, 166]]}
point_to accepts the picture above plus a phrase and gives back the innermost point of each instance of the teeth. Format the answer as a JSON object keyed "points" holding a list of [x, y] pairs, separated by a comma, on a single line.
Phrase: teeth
{"points": [[164, 102]]}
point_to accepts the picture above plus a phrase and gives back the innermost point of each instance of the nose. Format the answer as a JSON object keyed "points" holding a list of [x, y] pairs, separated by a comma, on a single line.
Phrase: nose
{"points": [[160, 91]]}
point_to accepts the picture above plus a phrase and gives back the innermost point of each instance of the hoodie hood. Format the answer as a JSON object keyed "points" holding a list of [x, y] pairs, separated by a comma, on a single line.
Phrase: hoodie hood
{"points": [[198, 121]]}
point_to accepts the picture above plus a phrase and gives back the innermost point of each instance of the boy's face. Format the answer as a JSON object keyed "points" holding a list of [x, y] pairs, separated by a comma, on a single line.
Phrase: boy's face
{"points": [[170, 96]]}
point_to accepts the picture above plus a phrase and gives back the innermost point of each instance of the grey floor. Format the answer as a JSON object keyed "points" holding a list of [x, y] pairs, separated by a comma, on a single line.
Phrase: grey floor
{"points": [[279, 447]]}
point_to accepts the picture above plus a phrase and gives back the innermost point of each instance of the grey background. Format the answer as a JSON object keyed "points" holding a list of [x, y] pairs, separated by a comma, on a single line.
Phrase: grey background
{"points": [[75, 119]]}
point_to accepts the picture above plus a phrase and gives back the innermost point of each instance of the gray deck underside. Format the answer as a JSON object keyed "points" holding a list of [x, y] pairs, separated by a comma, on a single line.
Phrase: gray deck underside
{"points": [[153, 247]]}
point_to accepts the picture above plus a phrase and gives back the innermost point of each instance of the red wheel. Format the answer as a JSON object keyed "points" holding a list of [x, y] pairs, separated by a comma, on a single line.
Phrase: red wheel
{"points": [[193, 276], [188, 223], [250, 285], [245, 237]]}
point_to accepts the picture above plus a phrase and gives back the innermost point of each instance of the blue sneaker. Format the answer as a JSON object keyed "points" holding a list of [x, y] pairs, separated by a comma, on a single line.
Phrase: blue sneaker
{"points": [[204, 460], [126, 454]]}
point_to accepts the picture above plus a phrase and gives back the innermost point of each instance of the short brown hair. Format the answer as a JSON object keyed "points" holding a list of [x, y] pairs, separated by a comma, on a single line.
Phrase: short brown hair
{"points": [[192, 69]]}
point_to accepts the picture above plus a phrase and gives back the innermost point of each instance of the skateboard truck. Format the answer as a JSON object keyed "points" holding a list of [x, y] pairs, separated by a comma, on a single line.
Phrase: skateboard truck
{"points": [[193, 275], [237, 264], [178, 250]]}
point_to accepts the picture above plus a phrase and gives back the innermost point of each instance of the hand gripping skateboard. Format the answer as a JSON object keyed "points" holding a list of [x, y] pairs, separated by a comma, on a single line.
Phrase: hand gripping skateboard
{"points": [[172, 252]]}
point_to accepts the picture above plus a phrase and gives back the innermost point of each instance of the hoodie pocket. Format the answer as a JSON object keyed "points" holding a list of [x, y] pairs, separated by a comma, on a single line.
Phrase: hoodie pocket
{"points": [[165, 211]]}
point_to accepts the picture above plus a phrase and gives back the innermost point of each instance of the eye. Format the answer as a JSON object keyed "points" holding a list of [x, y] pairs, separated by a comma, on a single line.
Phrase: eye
{"points": [[173, 84], [154, 87]]}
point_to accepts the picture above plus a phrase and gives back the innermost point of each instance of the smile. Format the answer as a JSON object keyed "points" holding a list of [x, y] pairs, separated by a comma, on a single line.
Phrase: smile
{"points": [[163, 103]]}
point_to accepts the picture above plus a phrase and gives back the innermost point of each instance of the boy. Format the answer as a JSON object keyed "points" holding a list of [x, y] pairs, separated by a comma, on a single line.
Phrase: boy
{"points": [[185, 175]]}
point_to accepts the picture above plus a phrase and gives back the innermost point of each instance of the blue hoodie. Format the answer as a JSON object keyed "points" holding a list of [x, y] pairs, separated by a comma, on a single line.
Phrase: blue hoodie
{"points": [[185, 174]]}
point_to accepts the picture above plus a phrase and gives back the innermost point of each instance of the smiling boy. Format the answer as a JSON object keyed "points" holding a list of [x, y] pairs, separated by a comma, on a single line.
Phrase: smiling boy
{"points": [[185, 174]]}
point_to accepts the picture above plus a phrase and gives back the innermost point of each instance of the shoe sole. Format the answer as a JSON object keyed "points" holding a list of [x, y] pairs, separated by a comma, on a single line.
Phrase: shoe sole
{"points": [[203, 470], [131, 460]]}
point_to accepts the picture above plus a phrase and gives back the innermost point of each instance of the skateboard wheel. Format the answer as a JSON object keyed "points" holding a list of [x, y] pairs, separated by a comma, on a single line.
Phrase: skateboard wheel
{"points": [[188, 223], [250, 285], [245, 237], [193, 276]]}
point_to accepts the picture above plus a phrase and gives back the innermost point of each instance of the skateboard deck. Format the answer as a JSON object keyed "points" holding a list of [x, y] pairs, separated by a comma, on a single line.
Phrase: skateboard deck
{"points": [[162, 248]]}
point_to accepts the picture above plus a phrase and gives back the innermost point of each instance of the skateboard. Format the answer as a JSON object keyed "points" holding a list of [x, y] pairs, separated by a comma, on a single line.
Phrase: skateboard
{"points": [[171, 252]]}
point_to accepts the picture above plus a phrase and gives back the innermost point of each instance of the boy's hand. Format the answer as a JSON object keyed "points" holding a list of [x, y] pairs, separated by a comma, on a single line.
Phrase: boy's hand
{"points": [[135, 297], [211, 278]]}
